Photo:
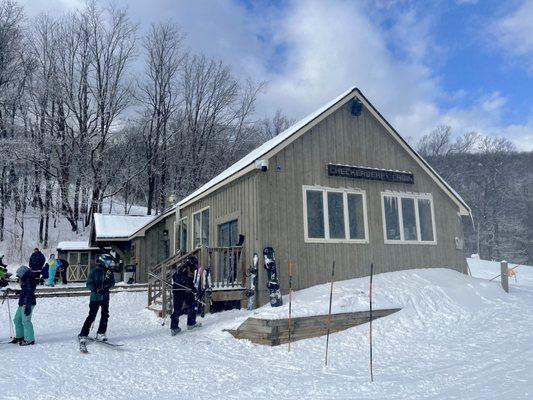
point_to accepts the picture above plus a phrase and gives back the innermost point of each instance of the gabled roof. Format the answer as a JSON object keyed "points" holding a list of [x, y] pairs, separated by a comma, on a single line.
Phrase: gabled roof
{"points": [[111, 227], [276, 144], [75, 245]]}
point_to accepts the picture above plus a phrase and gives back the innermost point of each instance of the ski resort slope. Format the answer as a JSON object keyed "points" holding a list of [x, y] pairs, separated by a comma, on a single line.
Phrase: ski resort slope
{"points": [[457, 337]]}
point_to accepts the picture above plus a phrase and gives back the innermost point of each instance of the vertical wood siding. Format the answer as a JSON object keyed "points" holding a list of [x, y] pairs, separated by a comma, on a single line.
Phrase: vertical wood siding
{"points": [[344, 139]]}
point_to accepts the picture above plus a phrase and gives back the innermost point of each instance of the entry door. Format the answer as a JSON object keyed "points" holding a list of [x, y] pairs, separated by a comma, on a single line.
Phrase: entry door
{"points": [[227, 237]]}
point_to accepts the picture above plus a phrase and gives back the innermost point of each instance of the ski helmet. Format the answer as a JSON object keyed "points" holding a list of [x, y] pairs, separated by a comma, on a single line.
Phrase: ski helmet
{"points": [[107, 259], [21, 271]]}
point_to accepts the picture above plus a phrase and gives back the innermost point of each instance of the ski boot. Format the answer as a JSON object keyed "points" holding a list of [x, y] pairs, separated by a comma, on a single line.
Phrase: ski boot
{"points": [[17, 340], [174, 332], [26, 343], [101, 337], [191, 327], [83, 344]]}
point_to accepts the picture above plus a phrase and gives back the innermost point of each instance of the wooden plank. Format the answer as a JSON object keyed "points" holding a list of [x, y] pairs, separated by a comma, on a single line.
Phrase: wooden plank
{"points": [[275, 332]]}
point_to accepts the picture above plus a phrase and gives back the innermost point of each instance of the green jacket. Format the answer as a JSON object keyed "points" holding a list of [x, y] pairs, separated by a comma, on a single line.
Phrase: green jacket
{"points": [[102, 279]]}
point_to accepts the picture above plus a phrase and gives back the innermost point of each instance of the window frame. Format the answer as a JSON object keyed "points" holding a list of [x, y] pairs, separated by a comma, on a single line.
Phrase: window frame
{"points": [[345, 192], [200, 211], [415, 197]]}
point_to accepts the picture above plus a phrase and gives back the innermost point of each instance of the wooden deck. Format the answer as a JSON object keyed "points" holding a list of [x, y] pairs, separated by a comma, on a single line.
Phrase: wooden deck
{"points": [[273, 332]]}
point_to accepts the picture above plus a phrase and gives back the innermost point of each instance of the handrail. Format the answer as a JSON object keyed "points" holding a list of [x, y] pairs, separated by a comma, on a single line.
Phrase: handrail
{"points": [[223, 263]]}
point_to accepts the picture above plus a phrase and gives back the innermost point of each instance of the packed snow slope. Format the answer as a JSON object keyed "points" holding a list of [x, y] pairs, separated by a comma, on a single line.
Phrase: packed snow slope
{"points": [[456, 337]]}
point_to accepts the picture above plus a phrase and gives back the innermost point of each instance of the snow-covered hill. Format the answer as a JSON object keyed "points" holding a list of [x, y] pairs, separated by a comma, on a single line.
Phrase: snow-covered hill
{"points": [[456, 337]]}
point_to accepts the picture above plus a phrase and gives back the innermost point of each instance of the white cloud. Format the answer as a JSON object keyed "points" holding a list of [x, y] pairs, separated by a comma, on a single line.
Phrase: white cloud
{"points": [[310, 51], [514, 32]]}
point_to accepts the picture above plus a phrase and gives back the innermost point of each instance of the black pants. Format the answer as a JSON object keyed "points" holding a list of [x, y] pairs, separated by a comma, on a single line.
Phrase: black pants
{"points": [[93, 310], [64, 276], [181, 298]]}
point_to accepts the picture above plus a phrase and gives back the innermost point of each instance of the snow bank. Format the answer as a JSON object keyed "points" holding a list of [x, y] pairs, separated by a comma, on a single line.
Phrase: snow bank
{"points": [[455, 337]]}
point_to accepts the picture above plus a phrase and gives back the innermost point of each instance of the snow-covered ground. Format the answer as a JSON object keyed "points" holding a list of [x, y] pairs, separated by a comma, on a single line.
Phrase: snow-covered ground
{"points": [[457, 337]]}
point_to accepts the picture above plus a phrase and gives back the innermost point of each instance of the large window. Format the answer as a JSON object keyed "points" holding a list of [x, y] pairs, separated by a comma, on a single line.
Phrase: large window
{"points": [[334, 215], [201, 228], [408, 218]]}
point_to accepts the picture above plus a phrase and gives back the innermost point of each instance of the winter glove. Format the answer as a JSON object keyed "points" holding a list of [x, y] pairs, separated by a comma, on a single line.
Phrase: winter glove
{"points": [[27, 310]]}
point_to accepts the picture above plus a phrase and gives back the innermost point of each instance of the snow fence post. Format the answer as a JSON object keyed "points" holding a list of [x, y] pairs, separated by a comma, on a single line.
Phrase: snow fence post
{"points": [[504, 276]]}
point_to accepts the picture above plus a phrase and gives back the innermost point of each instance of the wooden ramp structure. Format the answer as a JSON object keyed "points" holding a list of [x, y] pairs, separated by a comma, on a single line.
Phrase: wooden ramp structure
{"points": [[273, 332]]}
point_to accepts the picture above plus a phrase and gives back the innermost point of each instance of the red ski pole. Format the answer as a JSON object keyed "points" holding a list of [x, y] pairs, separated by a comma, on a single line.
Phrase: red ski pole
{"points": [[329, 312], [370, 335]]}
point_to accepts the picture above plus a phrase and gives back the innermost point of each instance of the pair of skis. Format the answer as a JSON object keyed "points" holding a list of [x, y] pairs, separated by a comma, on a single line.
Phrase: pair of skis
{"points": [[83, 344]]}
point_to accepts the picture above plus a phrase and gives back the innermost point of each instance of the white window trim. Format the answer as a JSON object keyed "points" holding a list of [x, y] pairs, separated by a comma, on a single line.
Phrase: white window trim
{"points": [[416, 197], [193, 231], [345, 192]]}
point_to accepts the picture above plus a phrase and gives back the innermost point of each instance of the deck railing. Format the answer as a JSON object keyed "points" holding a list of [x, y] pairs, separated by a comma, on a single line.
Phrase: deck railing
{"points": [[225, 266], [226, 272]]}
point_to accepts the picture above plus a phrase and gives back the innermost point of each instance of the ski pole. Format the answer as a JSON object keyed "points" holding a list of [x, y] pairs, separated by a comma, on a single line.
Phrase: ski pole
{"points": [[185, 288], [370, 333], [329, 312], [290, 301], [10, 323]]}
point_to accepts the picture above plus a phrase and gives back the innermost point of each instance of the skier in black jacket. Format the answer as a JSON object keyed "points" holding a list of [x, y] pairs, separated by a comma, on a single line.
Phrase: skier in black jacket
{"points": [[37, 260], [183, 291], [100, 280]]}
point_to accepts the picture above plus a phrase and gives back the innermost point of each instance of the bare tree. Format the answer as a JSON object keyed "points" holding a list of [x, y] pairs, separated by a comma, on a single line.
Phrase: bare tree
{"points": [[111, 47], [159, 95]]}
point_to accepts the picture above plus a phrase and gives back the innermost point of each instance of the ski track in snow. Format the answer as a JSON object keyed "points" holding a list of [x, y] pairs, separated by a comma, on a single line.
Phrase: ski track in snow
{"points": [[457, 337]]}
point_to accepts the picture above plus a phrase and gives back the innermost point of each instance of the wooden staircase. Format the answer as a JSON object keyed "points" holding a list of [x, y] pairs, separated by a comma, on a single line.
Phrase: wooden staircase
{"points": [[223, 277]]}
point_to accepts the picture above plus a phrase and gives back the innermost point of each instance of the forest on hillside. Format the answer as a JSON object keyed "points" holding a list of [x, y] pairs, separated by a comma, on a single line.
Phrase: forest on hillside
{"points": [[496, 181], [93, 110]]}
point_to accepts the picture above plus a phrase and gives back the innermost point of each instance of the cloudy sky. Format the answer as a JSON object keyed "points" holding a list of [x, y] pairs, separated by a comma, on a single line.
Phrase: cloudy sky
{"points": [[464, 63]]}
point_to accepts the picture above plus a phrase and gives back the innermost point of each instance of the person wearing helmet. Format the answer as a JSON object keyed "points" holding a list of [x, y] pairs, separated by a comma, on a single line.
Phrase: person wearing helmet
{"points": [[183, 291], [100, 280], [24, 334]]}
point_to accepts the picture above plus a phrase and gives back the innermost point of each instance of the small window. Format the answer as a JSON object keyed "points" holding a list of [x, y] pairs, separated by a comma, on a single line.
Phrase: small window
{"points": [[183, 234], [228, 234], [356, 216], [201, 228], [315, 215], [334, 215], [426, 220], [408, 218], [392, 218]]}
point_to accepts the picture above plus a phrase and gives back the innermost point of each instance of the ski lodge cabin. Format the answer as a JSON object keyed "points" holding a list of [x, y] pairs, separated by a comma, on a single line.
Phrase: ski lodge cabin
{"points": [[81, 258], [341, 184]]}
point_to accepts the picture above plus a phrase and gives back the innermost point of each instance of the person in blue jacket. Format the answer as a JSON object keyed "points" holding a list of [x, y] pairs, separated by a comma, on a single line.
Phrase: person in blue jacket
{"points": [[100, 280], [24, 334], [52, 269]]}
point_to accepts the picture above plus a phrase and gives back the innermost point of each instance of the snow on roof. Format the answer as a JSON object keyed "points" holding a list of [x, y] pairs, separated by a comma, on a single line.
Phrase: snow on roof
{"points": [[74, 245], [107, 226], [264, 148]]}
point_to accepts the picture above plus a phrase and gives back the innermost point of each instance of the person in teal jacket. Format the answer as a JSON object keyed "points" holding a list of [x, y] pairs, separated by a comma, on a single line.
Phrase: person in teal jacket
{"points": [[24, 334], [52, 269], [100, 280]]}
